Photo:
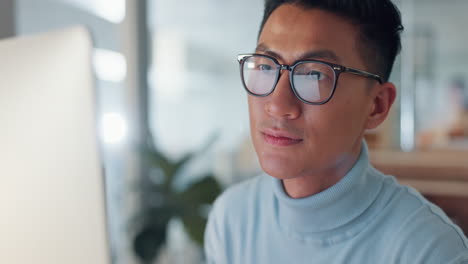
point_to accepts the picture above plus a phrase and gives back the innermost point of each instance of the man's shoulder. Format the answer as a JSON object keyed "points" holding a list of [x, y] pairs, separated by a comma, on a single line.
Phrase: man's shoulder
{"points": [[417, 225], [229, 214], [429, 217], [237, 207], [411, 209]]}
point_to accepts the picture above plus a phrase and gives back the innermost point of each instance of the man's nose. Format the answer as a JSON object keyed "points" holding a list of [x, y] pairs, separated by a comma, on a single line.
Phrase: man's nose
{"points": [[283, 103]]}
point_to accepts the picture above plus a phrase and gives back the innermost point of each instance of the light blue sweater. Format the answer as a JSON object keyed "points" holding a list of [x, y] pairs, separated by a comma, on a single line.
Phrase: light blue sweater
{"points": [[366, 217]]}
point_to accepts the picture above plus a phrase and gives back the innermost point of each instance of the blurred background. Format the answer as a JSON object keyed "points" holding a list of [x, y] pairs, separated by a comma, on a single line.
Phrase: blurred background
{"points": [[174, 114]]}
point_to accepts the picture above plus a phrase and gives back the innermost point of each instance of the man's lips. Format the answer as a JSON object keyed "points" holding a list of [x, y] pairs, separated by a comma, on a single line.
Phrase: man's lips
{"points": [[280, 138]]}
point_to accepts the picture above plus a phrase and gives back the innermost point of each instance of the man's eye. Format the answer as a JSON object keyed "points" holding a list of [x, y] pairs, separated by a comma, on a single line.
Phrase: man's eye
{"points": [[316, 75], [265, 67]]}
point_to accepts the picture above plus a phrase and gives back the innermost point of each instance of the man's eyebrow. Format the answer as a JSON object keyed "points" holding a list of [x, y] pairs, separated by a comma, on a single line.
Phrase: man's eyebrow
{"points": [[320, 54], [313, 54], [264, 49]]}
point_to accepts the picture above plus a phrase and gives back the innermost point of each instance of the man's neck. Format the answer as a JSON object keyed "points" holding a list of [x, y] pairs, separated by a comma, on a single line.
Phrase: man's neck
{"points": [[313, 183]]}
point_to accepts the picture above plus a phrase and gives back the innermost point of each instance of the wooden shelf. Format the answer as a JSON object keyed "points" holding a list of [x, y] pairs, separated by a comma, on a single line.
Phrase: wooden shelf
{"points": [[430, 165]]}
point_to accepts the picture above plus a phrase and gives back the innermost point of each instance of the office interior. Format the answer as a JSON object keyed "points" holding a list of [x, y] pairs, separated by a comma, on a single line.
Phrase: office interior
{"points": [[166, 73]]}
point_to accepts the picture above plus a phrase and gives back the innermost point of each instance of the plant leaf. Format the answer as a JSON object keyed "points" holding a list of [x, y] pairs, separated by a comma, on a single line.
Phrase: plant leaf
{"points": [[157, 159], [189, 156], [194, 224], [148, 242], [202, 191], [176, 166]]}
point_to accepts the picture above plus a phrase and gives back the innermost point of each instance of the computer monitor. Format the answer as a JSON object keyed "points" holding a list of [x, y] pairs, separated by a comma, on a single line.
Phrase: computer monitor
{"points": [[52, 199]]}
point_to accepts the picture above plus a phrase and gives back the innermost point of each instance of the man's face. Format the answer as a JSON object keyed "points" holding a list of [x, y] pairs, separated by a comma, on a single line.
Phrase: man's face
{"points": [[293, 139]]}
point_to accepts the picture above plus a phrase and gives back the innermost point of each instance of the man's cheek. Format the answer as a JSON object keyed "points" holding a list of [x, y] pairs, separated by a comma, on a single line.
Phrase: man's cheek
{"points": [[255, 110]]}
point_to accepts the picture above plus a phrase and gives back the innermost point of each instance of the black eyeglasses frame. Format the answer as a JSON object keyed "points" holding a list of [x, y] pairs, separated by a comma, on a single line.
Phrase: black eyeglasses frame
{"points": [[337, 69]]}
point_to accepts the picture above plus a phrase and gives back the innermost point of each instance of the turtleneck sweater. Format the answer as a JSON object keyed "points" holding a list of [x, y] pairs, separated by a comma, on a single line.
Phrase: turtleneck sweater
{"points": [[367, 217]]}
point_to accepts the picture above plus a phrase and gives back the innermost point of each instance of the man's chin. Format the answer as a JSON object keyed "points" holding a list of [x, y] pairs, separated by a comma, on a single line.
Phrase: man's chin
{"points": [[279, 169]]}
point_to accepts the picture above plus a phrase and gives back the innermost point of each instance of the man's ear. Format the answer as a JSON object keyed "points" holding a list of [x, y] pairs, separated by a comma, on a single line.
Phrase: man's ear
{"points": [[383, 98]]}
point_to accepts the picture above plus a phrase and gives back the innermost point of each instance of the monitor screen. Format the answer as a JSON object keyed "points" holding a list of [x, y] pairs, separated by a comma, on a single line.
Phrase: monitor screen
{"points": [[52, 199]]}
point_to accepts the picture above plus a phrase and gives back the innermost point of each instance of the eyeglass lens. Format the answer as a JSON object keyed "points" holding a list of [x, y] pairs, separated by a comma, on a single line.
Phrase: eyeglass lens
{"points": [[312, 81]]}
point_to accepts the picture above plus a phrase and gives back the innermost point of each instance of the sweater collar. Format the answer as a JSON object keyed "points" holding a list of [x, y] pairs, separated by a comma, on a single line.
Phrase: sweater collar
{"points": [[332, 208]]}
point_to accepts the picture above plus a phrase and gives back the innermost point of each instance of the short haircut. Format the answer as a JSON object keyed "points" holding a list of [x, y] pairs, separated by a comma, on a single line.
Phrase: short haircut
{"points": [[379, 22]]}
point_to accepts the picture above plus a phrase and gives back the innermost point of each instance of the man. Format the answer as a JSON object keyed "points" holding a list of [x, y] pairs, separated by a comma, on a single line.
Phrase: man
{"points": [[317, 81]]}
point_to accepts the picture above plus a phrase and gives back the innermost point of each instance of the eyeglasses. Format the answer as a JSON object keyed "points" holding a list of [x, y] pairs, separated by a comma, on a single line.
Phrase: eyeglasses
{"points": [[312, 81]]}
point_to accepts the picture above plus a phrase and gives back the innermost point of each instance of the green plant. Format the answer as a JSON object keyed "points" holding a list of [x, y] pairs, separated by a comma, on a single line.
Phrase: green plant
{"points": [[161, 202]]}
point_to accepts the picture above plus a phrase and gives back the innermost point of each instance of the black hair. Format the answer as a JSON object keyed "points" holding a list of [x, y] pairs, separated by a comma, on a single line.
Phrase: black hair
{"points": [[379, 22]]}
